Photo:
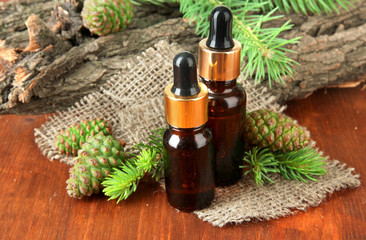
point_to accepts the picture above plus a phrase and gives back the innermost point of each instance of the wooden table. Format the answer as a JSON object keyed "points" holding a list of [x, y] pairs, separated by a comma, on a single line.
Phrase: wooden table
{"points": [[34, 203]]}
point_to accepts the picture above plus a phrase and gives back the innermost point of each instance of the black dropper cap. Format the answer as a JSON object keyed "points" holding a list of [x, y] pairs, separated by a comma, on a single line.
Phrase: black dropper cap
{"points": [[221, 29], [185, 75]]}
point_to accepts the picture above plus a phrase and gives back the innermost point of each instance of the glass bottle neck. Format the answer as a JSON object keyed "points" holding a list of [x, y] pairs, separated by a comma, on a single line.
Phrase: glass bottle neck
{"points": [[219, 86], [187, 130]]}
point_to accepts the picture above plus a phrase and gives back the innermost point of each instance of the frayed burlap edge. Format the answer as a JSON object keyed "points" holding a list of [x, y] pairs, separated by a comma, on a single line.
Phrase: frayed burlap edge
{"points": [[244, 201], [132, 102]]}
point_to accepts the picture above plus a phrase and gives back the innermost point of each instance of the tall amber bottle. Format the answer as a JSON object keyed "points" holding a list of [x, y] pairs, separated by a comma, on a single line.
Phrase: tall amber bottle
{"points": [[189, 167], [219, 67]]}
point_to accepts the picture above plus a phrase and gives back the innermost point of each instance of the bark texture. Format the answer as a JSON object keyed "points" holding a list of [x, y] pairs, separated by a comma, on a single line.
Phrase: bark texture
{"points": [[332, 52], [48, 67]]}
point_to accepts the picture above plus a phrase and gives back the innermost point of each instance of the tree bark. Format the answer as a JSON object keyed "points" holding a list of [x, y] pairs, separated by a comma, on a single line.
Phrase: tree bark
{"points": [[332, 52], [37, 77]]}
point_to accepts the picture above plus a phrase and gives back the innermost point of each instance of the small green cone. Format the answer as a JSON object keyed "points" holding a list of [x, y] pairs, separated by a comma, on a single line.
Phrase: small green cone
{"points": [[70, 141], [103, 17], [277, 131]]}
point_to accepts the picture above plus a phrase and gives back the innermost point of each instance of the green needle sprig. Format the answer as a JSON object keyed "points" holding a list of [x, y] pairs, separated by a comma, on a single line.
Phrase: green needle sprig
{"points": [[262, 50], [301, 165], [124, 181], [308, 6], [155, 143], [259, 164], [152, 2]]}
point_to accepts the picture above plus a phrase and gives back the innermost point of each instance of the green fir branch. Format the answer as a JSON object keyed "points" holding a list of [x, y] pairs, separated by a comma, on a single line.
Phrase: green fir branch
{"points": [[121, 183], [258, 163], [155, 143], [301, 165], [262, 50], [152, 2], [308, 6]]}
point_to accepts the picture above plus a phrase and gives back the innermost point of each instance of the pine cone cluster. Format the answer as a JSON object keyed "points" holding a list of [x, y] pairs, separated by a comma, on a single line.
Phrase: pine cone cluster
{"points": [[95, 161]]}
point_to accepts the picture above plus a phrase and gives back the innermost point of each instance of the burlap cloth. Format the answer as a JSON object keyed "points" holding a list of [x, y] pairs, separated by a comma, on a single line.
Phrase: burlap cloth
{"points": [[132, 102]]}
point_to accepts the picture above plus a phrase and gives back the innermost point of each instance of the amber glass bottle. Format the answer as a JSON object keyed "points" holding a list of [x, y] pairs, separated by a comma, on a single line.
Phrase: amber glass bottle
{"points": [[189, 172], [219, 66], [189, 167], [226, 113]]}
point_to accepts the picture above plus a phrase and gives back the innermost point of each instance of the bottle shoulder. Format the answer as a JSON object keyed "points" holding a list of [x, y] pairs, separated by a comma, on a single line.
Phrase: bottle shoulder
{"points": [[236, 91], [234, 99], [224, 88], [183, 138], [240, 90]]}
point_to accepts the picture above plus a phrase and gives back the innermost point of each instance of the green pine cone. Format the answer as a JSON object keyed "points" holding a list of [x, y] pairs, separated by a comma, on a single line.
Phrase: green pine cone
{"points": [[70, 141], [103, 17], [277, 131], [95, 161]]}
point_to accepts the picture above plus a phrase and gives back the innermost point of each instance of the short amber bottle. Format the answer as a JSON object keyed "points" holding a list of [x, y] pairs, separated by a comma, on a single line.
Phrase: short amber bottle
{"points": [[189, 166], [219, 66]]}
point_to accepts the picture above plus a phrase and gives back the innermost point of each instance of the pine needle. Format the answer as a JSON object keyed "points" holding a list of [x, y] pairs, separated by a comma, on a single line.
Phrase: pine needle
{"points": [[260, 162], [262, 50], [152, 2], [155, 143], [121, 183], [302, 165], [307, 6]]}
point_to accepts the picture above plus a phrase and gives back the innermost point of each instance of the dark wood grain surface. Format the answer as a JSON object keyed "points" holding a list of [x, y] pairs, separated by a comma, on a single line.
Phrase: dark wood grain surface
{"points": [[34, 203]]}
